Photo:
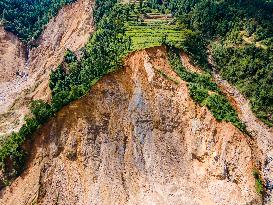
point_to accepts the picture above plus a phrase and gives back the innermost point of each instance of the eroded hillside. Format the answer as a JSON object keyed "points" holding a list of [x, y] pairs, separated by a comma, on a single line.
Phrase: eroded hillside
{"points": [[137, 138], [70, 29], [12, 59], [160, 124]]}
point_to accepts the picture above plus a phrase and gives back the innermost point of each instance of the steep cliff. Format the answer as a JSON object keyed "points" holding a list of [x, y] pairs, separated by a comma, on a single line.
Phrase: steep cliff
{"points": [[13, 75], [137, 138], [12, 56], [70, 29]]}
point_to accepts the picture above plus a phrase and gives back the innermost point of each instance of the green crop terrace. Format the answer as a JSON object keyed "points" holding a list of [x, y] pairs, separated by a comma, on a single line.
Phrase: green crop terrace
{"points": [[151, 29]]}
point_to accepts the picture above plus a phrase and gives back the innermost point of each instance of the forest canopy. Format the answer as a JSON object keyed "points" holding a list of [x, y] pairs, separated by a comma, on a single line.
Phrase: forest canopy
{"points": [[27, 18], [239, 36]]}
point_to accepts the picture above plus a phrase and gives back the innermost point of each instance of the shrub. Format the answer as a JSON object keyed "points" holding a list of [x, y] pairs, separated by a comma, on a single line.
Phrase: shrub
{"points": [[69, 56], [198, 93], [199, 87], [57, 80], [41, 110], [31, 124], [258, 182]]}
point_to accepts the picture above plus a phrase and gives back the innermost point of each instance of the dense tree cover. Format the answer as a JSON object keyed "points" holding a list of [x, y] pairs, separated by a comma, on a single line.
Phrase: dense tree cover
{"points": [[149, 6], [213, 17], [103, 7], [27, 18], [251, 70], [240, 34]]}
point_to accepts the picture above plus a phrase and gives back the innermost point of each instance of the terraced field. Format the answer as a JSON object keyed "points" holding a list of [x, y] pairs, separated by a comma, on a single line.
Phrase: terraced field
{"points": [[152, 29]]}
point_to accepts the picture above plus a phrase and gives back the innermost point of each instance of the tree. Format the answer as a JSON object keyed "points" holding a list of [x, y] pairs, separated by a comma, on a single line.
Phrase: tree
{"points": [[41, 111]]}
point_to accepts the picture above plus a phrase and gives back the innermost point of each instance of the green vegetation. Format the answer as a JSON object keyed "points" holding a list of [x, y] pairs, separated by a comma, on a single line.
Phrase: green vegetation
{"points": [[122, 28], [103, 7], [147, 28], [150, 24], [251, 70], [27, 18], [70, 81], [205, 91], [258, 182], [102, 54], [146, 36], [73, 78], [12, 156], [163, 74], [240, 37]]}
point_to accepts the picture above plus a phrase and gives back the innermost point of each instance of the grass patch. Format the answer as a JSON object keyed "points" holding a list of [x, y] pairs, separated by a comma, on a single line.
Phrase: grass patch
{"points": [[258, 182]]}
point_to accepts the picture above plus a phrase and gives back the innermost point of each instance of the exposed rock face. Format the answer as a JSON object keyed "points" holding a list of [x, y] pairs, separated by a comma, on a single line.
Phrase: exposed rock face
{"points": [[70, 29], [12, 74], [262, 133], [137, 138], [12, 56]]}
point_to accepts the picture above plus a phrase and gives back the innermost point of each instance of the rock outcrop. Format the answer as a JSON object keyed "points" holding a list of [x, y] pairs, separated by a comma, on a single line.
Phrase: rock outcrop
{"points": [[70, 29], [137, 138]]}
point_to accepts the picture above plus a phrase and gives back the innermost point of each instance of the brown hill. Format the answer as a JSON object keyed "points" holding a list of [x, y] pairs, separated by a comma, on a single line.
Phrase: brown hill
{"points": [[137, 138]]}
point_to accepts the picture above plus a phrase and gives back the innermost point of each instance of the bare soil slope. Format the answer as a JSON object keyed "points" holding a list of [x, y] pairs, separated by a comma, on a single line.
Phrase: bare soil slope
{"points": [[12, 56], [70, 29], [137, 138]]}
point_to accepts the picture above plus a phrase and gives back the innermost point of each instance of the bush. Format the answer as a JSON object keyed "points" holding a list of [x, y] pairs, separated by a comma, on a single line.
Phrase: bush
{"points": [[69, 56], [222, 110], [41, 110], [198, 93], [258, 182], [202, 79], [57, 80], [12, 157], [31, 124]]}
